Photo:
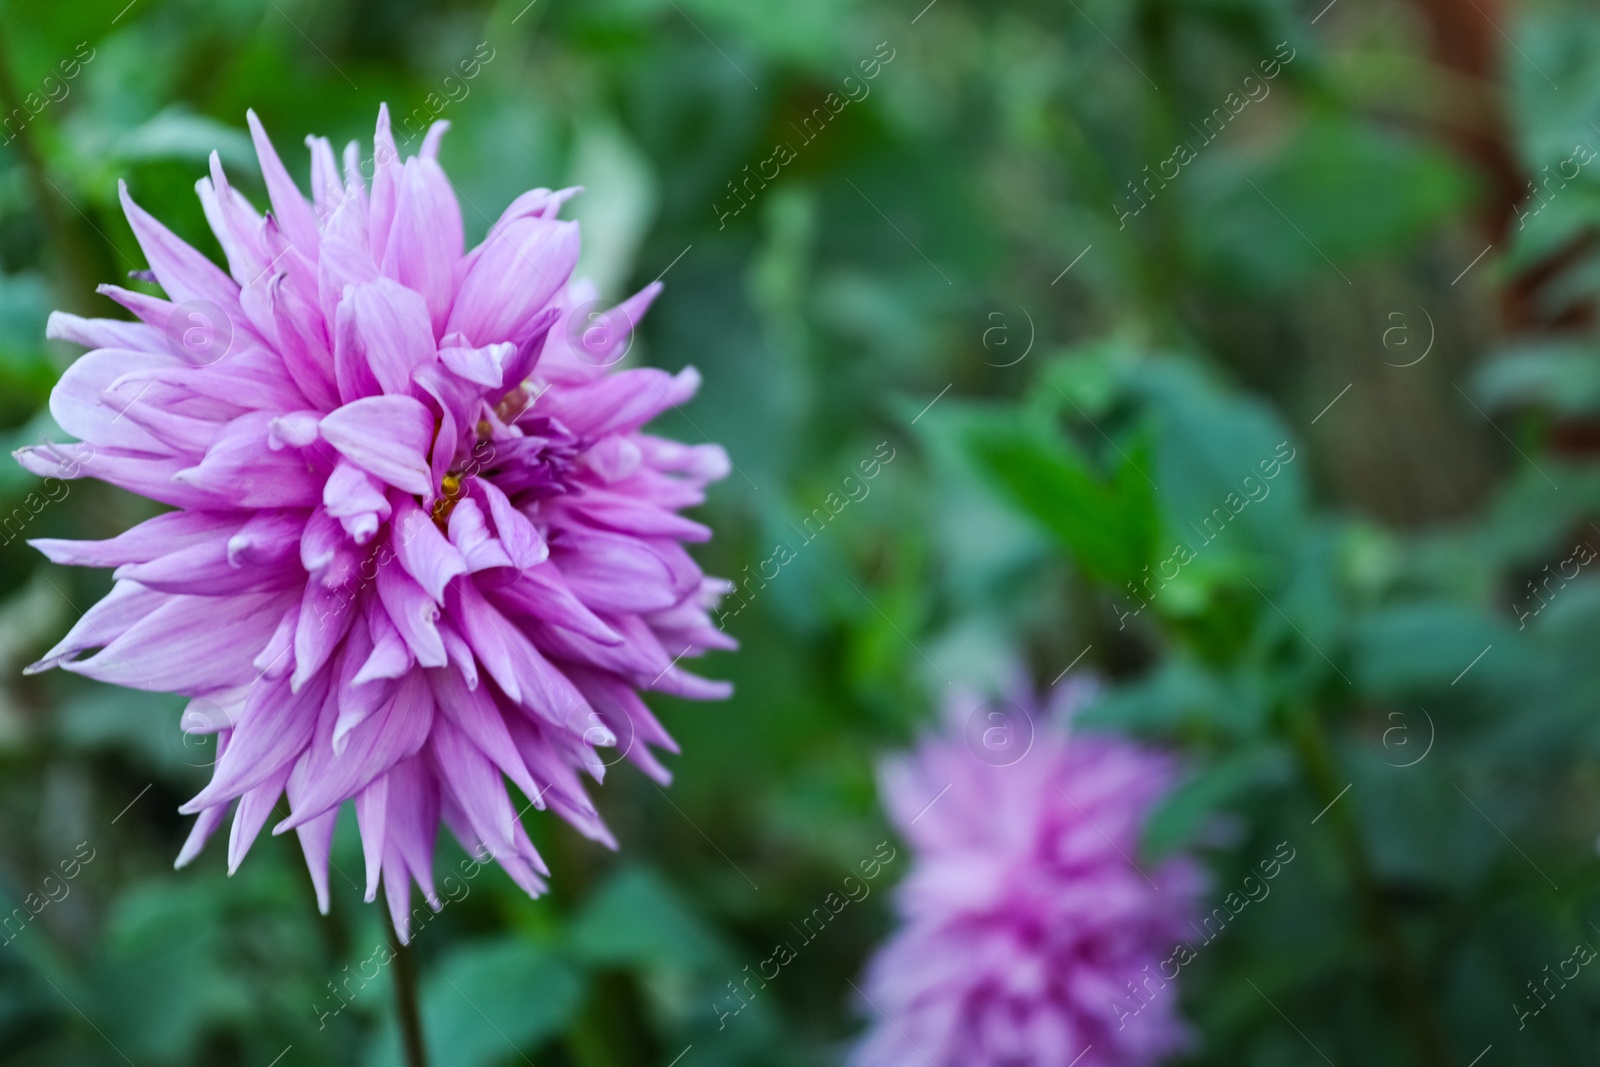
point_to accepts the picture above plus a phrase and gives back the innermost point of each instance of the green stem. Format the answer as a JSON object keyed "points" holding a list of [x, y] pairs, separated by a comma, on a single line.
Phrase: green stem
{"points": [[76, 267], [1316, 756], [405, 1001]]}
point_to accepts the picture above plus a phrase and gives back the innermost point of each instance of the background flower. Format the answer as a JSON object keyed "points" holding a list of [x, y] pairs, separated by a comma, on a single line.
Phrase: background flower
{"points": [[1030, 934]]}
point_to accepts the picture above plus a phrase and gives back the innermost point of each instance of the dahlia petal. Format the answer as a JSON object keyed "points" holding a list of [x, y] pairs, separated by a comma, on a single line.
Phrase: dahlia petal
{"points": [[459, 654], [414, 820], [254, 809], [274, 660], [176, 434], [387, 436], [588, 348], [522, 541], [325, 616], [423, 551], [147, 541], [469, 533], [107, 620], [237, 227], [82, 407], [303, 343], [241, 469], [474, 783], [372, 811], [273, 731], [147, 476], [397, 892], [485, 365], [533, 204], [613, 574], [325, 550], [393, 732], [475, 712], [540, 593], [612, 458], [531, 348], [316, 844], [385, 184], [345, 262], [357, 500], [414, 613], [290, 208], [511, 659], [629, 515], [326, 188], [518, 271], [390, 657], [247, 378], [383, 334], [206, 570], [430, 144], [188, 644], [296, 429], [181, 271], [425, 240], [103, 333], [205, 824], [620, 402]]}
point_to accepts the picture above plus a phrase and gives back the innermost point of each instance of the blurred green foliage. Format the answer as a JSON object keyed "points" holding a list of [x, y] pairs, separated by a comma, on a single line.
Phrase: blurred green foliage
{"points": [[1359, 661]]}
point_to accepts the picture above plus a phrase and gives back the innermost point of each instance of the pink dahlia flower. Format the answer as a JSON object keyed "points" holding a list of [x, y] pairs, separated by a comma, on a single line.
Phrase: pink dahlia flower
{"points": [[1029, 936], [419, 543]]}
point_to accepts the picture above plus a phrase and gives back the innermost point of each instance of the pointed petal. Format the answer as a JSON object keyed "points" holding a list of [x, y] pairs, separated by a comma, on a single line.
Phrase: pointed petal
{"points": [[293, 213], [518, 272]]}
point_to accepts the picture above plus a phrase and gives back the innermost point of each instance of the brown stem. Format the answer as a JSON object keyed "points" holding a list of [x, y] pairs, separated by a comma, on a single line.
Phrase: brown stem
{"points": [[1317, 759], [405, 1001]]}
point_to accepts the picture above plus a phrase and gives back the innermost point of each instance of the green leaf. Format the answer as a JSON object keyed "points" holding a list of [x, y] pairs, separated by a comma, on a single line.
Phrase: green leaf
{"points": [[1188, 809], [1422, 646], [1334, 193], [1562, 378], [638, 919], [1108, 525], [490, 1003]]}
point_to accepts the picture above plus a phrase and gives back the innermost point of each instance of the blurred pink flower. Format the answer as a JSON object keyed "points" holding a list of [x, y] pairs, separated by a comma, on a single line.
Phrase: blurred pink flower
{"points": [[419, 545], [1029, 938]]}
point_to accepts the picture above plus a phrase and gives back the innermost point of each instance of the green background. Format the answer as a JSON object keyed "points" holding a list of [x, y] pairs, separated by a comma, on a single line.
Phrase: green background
{"points": [[1308, 277]]}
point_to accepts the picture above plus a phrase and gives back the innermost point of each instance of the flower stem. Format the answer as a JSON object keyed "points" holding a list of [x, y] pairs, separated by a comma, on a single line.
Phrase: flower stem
{"points": [[75, 266], [1316, 757], [405, 1001]]}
